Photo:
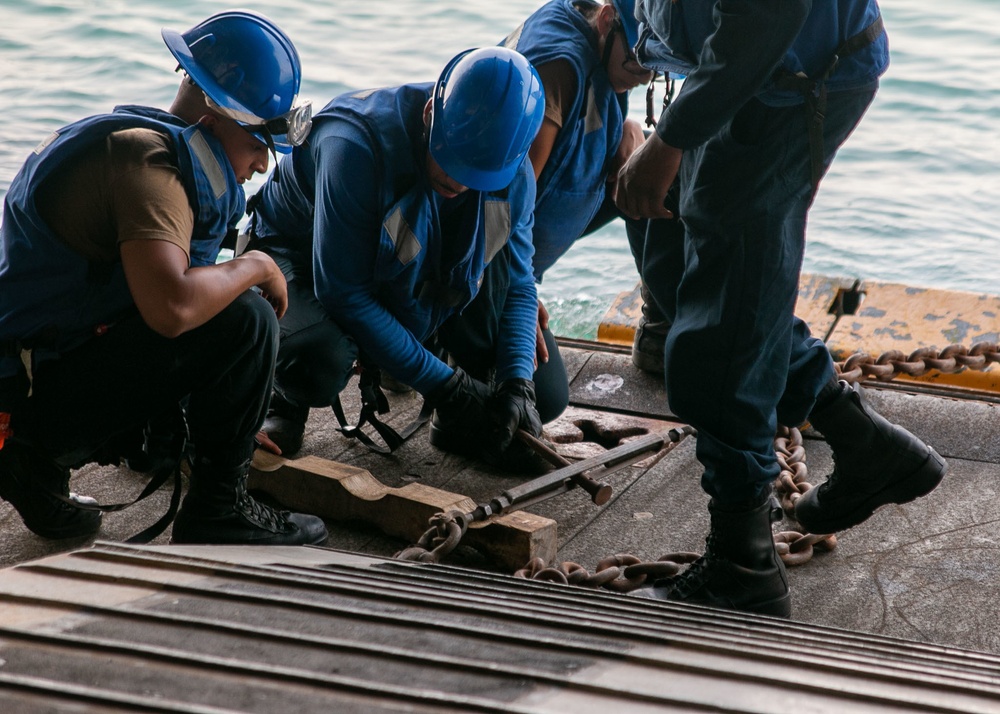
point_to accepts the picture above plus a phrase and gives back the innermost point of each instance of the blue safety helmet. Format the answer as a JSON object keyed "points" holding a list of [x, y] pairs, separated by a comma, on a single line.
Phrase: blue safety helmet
{"points": [[488, 106], [250, 72], [626, 15]]}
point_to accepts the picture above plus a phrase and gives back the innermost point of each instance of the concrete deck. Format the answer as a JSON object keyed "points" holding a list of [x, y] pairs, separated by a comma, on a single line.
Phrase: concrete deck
{"points": [[926, 571]]}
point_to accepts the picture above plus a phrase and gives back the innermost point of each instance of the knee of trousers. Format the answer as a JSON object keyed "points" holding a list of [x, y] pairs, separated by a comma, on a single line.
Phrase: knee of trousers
{"points": [[314, 365], [551, 383], [248, 324]]}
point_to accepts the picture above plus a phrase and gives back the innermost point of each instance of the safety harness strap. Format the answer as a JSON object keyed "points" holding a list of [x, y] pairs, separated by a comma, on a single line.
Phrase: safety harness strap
{"points": [[814, 92], [147, 534], [154, 484], [373, 403]]}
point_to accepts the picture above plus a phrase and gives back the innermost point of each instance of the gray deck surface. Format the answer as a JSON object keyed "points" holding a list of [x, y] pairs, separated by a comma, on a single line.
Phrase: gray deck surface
{"points": [[926, 571]]}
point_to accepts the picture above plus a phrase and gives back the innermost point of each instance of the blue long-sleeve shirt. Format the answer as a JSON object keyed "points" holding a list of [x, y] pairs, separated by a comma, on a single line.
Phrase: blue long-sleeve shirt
{"points": [[729, 51], [349, 181]]}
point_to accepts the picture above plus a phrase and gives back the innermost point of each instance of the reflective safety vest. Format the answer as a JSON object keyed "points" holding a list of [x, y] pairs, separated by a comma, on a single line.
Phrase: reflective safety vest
{"points": [[52, 298], [571, 187], [419, 282]]}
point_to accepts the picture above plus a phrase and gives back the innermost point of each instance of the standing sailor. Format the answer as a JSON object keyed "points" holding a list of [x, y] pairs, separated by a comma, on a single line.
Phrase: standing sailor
{"points": [[773, 89]]}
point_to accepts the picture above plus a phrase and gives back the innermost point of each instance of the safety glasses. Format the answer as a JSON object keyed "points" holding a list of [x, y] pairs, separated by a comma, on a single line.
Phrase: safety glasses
{"points": [[294, 124], [631, 63]]}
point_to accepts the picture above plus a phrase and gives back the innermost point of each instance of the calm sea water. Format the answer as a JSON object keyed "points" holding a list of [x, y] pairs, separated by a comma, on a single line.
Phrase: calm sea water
{"points": [[914, 197]]}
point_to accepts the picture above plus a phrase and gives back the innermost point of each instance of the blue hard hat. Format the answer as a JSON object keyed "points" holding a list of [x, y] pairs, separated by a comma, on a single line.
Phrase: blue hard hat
{"points": [[626, 14], [488, 106], [249, 70]]}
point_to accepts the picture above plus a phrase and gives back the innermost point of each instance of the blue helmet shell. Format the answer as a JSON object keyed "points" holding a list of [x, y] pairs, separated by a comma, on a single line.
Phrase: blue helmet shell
{"points": [[626, 13], [488, 105], [242, 61]]}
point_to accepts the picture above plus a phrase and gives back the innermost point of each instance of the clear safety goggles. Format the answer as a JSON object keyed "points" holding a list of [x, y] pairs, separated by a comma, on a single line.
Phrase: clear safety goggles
{"points": [[294, 124]]}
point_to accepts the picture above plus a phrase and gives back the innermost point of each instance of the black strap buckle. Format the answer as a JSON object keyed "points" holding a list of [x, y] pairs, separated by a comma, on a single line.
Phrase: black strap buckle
{"points": [[373, 403]]}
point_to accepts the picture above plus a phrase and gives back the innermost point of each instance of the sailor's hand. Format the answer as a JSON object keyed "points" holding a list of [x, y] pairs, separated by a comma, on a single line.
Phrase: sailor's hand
{"points": [[272, 286], [513, 408], [645, 179], [541, 349], [463, 400], [264, 442], [632, 139]]}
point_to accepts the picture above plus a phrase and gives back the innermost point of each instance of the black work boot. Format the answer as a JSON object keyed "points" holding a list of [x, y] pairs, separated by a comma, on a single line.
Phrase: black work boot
{"points": [[285, 424], [740, 570], [650, 337], [218, 509], [30, 482], [875, 463]]}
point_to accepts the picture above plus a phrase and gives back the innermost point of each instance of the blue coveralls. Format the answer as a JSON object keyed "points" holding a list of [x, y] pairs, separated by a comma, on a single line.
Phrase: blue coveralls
{"points": [[738, 362], [377, 259], [98, 370]]}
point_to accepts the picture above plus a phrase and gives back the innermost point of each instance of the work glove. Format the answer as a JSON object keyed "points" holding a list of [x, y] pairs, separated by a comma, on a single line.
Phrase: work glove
{"points": [[513, 408], [462, 404]]}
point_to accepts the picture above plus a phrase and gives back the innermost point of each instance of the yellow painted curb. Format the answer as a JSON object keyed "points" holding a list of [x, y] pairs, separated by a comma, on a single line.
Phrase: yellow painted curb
{"points": [[870, 317]]}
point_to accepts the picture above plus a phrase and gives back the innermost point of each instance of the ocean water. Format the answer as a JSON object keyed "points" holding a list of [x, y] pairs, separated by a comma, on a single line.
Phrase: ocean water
{"points": [[914, 197]]}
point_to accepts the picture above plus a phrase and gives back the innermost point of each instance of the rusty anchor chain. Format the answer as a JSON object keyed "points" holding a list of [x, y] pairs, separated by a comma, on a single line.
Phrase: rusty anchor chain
{"points": [[794, 547], [446, 529], [625, 572], [888, 365]]}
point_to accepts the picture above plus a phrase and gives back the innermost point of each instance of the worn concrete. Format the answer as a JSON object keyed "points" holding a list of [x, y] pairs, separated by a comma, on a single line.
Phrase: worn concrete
{"points": [[926, 571]]}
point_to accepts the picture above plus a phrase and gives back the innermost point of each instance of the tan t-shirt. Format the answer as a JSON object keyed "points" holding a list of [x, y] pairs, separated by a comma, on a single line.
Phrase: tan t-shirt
{"points": [[559, 80], [126, 187]]}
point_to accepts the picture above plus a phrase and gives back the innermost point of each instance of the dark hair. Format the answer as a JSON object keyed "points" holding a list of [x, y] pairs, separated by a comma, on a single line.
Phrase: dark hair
{"points": [[588, 8]]}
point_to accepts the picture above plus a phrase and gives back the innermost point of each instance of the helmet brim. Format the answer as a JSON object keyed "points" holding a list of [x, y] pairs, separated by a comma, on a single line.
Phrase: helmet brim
{"points": [[206, 82]]}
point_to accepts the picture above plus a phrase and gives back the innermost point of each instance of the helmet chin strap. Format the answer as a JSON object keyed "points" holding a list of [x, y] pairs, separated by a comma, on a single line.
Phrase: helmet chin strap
{"points": [[609, 43]]}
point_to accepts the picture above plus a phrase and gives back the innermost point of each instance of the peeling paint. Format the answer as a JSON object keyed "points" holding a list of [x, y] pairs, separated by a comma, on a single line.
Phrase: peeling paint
{"points": [[960, 331], [871, 312], [892, 333], [606, 383]]}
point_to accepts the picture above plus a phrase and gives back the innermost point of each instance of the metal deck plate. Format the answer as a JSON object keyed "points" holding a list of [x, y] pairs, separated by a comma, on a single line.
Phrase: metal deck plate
{"points": [[237, 629]]}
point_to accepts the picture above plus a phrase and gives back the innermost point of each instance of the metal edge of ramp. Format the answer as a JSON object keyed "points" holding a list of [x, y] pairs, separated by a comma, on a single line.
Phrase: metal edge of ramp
{"points": [[235, 629]]}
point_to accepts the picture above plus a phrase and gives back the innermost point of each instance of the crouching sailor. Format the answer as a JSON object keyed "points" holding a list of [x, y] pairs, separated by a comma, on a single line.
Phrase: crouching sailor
{"points": [[110, 295], [405, 204]]}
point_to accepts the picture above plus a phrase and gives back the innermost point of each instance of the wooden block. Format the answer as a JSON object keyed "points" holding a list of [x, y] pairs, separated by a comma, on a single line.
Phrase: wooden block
{"points": [[340, 492]]}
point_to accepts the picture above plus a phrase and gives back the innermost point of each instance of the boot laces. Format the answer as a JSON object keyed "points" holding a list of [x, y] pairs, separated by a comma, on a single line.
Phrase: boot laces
{"points": [[686, 584], [261, 514]]}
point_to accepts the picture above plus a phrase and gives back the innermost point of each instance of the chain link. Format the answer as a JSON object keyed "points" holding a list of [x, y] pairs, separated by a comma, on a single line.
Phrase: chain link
{"points": [[443, 536], [953, 358], [620, 573], [624, 572]]}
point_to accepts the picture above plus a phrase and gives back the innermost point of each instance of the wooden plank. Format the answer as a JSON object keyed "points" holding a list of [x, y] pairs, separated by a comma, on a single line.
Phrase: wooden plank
{"points": [[341, 492]]}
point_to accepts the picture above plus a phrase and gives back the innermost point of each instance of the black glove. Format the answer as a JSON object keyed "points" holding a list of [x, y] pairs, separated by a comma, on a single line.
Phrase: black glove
{"points": [[462, 404], [513, 408]]}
